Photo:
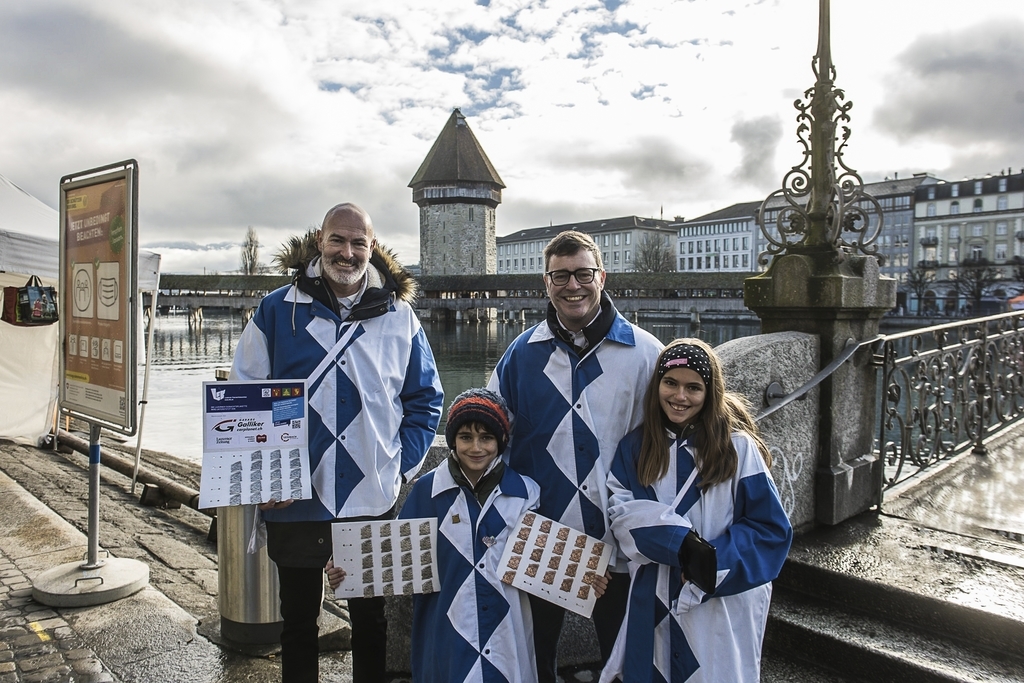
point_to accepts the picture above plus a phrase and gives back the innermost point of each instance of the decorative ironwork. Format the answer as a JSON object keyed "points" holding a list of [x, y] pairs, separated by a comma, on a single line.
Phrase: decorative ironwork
{"points": [[948, 389], [822, 205]]}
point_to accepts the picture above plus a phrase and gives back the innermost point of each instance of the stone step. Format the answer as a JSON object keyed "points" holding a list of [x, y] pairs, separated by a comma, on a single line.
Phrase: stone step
{"points": [[781, 667], [974, 605], [873, 648]]}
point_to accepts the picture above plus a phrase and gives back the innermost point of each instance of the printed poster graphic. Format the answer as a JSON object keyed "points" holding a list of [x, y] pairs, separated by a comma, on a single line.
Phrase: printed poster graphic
{"points": [[255, 447], [108, 292], [554, 562], [82, 294], [396, 557], [98, 379]]}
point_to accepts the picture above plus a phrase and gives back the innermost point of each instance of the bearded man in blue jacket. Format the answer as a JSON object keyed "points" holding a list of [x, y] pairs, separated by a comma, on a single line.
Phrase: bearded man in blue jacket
{"points": [[346, 325]]}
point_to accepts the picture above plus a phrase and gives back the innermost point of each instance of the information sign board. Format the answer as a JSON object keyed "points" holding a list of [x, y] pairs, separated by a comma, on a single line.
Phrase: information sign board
{"points": [[98, 289]]}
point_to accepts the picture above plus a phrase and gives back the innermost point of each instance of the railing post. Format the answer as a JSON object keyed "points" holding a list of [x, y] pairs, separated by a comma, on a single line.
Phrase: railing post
{"points": [[979, 445]]}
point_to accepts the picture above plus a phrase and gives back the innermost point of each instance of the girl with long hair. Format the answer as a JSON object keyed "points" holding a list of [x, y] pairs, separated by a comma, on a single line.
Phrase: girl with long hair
{"points": [[694, 510]]}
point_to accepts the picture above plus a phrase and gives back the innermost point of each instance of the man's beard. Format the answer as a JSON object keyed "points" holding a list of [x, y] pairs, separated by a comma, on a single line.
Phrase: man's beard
{"points": [[344, 277]]}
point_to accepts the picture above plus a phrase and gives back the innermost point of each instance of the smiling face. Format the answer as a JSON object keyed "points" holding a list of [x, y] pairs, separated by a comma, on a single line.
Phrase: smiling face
{"points": [[345, 241], [575, 304], [681, 394], [475, 448]]}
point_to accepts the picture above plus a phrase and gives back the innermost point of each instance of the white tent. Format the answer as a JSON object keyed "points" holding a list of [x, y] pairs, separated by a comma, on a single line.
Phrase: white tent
{"points": [[29, 364]]}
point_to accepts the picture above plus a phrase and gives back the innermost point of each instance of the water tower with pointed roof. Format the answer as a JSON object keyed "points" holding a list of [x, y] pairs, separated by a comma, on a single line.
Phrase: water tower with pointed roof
{"points": [[458, 191]]}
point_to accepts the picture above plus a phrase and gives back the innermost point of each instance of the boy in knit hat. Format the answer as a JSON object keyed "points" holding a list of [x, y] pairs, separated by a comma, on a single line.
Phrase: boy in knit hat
{"points": [[476, 627]]}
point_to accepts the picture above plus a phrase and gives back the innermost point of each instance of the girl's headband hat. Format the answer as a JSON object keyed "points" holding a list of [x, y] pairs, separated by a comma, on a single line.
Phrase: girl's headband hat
{"points": [[686, 356]]}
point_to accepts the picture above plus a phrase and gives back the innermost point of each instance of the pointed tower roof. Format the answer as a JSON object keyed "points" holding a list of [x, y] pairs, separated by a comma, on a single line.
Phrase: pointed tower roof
{"points": [[456, 156]]}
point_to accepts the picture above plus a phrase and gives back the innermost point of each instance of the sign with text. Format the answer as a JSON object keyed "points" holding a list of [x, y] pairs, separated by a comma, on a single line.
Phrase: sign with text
{"points": [[254, 443], [98, 285]]}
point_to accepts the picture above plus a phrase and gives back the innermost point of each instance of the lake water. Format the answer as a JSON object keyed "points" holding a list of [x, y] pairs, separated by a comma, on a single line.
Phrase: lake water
{"points": [[184, 358]]}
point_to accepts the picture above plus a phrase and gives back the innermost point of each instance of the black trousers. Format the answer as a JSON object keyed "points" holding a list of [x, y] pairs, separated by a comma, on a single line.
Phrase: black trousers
{"points": [[609, 611], [301, 550], [301, 596]]}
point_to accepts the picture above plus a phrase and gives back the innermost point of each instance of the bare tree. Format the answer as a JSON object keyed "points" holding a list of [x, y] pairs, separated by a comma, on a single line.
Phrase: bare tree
{"points": [[251, 254], [974, 279], [653, 255], [919, 280]]}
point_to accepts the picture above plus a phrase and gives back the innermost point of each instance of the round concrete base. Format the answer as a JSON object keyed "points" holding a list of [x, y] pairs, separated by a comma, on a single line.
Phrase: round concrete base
{"points": [[68, 585]]}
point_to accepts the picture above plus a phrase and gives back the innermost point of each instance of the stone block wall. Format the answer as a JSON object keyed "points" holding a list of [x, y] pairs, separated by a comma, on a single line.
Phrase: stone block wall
{"points": [[452, 243], [752, 363]]}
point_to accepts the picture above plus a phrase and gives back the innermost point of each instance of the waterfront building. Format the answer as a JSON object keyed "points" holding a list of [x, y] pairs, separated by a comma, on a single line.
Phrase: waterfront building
{"points": [[720, 241], [618, 238], [458, 191], [975, 219]]}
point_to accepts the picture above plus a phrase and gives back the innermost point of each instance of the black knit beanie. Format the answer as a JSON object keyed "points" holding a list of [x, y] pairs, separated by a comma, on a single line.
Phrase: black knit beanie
{"points": [[484, 407]]}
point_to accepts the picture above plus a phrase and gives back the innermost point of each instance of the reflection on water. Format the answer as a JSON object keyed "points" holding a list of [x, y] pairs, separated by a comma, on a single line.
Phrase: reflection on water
{"points": [[184, 357]]}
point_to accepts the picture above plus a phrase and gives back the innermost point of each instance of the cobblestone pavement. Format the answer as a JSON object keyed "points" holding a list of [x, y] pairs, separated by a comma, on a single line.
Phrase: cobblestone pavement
{"points": [[36, 644]]}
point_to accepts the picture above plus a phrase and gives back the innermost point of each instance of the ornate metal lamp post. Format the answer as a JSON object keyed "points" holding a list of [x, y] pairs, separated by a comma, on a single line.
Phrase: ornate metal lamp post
{"points": [[822, 206], [823, 279]]}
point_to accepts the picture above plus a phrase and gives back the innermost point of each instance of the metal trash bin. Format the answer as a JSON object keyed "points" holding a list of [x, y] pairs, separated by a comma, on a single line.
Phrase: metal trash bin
{"points": [[250, 608]]}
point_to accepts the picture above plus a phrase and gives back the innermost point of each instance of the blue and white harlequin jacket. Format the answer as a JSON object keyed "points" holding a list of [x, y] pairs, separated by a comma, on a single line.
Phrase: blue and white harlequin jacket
{"points": [[570, 413], [673, 631], [374, 411], [476, 628]]}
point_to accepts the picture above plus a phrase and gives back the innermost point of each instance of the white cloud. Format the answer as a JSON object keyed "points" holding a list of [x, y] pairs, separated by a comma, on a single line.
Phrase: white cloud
{"points": [[267, 112]]}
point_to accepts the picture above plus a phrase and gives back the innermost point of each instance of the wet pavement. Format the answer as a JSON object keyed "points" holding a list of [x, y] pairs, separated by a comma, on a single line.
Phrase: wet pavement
{"points": [[956, 537]]}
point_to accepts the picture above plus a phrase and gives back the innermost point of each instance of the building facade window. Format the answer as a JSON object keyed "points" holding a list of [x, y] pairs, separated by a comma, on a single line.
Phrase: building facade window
{"points": [[1001, 228], [1000, 251], [954, 208], [976, 230], [628, 238], [931, 209], [1001, 203], [954, 232], [977, 187], [626, 256], [977, 206], [954, 191], [615, 239], [977, 252], [1002, 184], [931, 193]]}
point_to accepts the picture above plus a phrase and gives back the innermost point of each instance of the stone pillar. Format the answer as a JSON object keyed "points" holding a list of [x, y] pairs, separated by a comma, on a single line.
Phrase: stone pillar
{"points": [[813, 293]]}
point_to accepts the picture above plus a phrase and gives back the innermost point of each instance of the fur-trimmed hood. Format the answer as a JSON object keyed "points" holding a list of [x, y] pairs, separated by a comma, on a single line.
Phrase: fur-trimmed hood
{"points": [[299, 251]]}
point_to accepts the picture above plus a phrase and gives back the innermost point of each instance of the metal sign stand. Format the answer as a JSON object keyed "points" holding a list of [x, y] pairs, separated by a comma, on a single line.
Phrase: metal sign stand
{"points": [[98, 322], [96, 581]]}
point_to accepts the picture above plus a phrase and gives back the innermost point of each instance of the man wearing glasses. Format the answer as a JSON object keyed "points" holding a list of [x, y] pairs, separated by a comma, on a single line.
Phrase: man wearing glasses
{"points": [[575, 384]]}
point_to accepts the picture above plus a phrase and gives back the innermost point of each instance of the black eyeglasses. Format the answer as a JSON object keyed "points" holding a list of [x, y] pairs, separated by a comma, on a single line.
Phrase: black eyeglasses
{"points": [[584, 276]]}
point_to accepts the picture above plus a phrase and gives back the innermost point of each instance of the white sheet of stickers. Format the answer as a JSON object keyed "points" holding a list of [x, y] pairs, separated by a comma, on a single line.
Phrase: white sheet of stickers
{"points": [[396, 557], [554, 562], [254, 443]]}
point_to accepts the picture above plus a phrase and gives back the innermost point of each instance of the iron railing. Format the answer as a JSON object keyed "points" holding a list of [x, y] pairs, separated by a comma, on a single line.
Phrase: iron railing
{"points": [[943, 391], [947, 389]]}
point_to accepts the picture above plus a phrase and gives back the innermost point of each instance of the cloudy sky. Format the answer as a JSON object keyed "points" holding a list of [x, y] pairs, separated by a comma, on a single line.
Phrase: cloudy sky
{"points": [[267, 112]]}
